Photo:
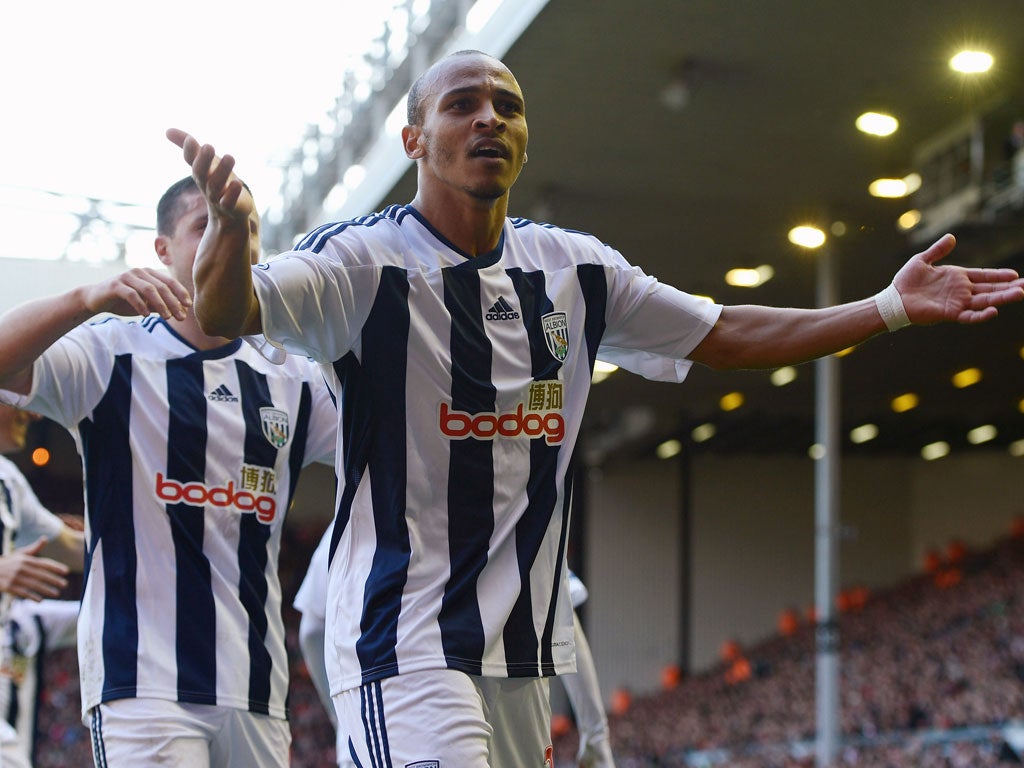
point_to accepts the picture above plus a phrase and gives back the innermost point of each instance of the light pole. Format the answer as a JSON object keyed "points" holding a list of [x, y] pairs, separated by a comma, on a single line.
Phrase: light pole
{"points": [[826, 513]]}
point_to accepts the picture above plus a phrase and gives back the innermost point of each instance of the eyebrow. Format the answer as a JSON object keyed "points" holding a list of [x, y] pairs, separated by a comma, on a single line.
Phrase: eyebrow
{"points": [[474, 89]]}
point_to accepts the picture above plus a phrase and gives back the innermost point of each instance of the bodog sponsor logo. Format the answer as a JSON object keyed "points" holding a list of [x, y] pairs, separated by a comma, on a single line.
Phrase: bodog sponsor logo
{"points": [[198, 495], [488, 426]]}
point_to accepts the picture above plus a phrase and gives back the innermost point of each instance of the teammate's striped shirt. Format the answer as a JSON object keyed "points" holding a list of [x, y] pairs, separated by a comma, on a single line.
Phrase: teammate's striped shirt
{"points": [[190, 460], [23, 519], [33, 632], [463, 385]]}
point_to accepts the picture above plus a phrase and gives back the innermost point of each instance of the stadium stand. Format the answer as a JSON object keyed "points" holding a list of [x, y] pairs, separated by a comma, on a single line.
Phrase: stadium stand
{"points": [[932, 675]]}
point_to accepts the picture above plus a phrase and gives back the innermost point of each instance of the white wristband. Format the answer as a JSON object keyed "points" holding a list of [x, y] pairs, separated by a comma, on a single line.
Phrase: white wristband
{"points": [[890, 307]]}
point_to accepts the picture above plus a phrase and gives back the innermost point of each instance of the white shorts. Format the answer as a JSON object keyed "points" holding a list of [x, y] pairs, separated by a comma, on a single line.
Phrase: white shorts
{"points": [[135, 732], [441, 718]]}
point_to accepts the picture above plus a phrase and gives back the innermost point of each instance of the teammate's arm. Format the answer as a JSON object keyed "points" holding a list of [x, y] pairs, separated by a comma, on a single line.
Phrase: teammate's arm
{"points": [[749, 336], [30, 328], [225, 302]]}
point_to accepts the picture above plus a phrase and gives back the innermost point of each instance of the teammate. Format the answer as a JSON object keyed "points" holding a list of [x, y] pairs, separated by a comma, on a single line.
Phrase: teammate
{"points": [[35, 630], [311, 602], [584, 692], [191, 448], [37, 551], [463, 343]]}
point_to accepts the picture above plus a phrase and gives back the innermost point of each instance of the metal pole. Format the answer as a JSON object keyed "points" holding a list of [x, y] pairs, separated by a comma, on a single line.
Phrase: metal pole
{"points": [[826, 514]]}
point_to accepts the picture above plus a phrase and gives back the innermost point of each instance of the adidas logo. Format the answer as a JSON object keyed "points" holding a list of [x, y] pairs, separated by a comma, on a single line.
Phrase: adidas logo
{"points": [[222, 395], [502, 310]]}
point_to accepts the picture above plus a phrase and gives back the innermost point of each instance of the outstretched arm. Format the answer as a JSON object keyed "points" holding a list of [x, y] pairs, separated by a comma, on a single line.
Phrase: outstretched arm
{"points": [[225, 302], [749, 336], [30, 328]]}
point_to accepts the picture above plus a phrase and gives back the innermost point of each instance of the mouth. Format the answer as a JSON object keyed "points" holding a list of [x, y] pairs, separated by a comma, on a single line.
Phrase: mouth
{"points": [[490, 150]]}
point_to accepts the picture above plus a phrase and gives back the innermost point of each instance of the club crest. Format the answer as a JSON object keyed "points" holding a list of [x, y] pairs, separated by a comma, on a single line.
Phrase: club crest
{"points": [[556, 334], [275, 426]]}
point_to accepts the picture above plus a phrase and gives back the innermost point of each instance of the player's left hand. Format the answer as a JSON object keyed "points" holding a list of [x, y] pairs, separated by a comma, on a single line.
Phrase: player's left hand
{"points": [[934, 293]]}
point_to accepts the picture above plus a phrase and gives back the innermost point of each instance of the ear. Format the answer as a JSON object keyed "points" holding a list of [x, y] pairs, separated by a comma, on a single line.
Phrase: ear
{"points": [[160, 246], [412, 140]]}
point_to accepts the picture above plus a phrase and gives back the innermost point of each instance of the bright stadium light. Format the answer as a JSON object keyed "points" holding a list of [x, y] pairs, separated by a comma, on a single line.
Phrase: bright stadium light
{"points": [[971, 62], [668, 449], [807, 236], [936, 450], [877, 124]]}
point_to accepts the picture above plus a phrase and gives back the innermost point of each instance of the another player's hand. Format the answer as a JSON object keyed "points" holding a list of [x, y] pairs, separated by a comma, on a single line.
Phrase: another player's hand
{"points": [[139, 291], [224, 192], [24, 574], [934, 293]]}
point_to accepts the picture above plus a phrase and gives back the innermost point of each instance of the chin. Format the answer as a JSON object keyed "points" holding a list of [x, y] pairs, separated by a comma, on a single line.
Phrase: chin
{"points": [[489, 194]]}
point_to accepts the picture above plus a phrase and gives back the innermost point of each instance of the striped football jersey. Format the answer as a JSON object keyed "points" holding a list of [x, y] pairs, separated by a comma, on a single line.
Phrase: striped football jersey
{"points": [[463, 386], [190, 459]]}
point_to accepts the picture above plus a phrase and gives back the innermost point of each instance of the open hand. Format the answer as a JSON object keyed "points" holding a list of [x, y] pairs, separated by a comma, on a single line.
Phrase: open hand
{"points": [[934, 293]]}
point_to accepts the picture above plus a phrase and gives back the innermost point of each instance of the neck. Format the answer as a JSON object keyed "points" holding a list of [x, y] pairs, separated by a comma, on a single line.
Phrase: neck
{"points": [[472, 225], [189, 330]]}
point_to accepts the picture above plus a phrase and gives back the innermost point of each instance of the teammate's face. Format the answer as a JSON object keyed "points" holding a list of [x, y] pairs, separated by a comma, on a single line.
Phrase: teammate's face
{"points": [[474, 135], [178, 251], [14, 428]]}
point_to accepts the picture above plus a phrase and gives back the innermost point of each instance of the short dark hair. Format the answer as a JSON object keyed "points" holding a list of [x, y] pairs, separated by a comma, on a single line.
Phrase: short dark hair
{"points": [[414, 113], [170, 208]]}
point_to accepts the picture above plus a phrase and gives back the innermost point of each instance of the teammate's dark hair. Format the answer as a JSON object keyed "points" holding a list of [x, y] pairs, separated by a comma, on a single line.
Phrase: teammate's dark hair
{"points": [[170, 208]]}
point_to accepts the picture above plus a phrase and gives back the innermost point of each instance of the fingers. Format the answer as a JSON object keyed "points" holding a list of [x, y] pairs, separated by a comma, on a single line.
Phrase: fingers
{"points": [[39, 588], [34, 547], [147, 291], [141, 291], [995, 296], [177, 136], [37, 577], [984, 278], [939, 249], [977, 315]]}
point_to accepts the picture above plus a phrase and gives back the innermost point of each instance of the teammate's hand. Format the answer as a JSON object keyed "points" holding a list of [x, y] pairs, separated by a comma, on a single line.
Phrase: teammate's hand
{"points": [[24, 574], [140, 291]]}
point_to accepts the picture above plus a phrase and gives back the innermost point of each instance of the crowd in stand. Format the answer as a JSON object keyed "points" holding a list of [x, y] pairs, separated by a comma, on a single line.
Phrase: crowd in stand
{"points": [[931, 670]]}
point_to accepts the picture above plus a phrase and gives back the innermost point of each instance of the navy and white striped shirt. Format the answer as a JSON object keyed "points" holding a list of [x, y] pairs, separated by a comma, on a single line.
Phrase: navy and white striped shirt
{"points": [[463, 385], [23, 519], [190, 461], [34, 631]]}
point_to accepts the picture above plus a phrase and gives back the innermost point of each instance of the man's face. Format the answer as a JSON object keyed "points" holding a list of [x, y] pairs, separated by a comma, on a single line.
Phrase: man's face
{"points": [[14, 428], [178, 251], [474, 132]]}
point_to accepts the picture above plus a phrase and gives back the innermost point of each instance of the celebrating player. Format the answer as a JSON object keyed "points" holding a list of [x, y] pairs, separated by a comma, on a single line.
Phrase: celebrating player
{"points": [[191, 447]]}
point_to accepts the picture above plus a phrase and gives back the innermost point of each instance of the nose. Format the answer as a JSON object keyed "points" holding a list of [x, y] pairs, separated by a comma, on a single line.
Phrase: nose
{"points": [[488, 117]]}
